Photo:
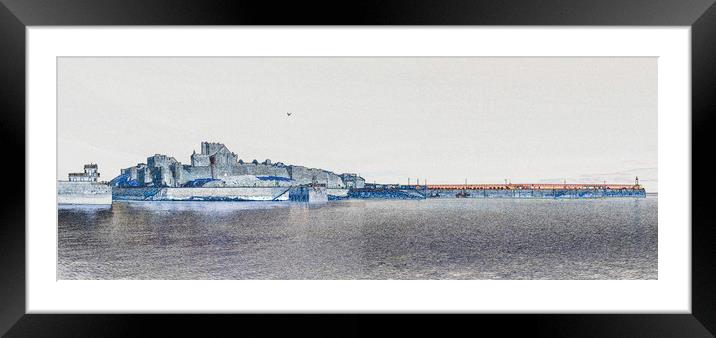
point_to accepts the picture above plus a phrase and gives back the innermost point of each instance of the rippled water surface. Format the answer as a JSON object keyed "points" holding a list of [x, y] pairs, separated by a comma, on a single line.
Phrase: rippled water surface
{"points": [[362, 239]]}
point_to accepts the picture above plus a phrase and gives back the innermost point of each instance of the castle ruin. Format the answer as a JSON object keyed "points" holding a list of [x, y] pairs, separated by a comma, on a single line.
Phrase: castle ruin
{"points": [[217, 166]]}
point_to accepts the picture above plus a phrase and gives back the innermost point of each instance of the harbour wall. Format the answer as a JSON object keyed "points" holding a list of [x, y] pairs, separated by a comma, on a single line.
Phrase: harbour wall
{"points": [[487, 193], [309, 194], [201, 194], [540, 193], [402, 194], [213, 194], [83, 193]]}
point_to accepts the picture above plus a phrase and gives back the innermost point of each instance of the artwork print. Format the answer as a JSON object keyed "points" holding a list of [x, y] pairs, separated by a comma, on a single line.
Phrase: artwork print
{"points": [[345, 168]]}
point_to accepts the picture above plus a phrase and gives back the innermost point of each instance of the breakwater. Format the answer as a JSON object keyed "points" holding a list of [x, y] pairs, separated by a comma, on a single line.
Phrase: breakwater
{"points": [[406, 192]]}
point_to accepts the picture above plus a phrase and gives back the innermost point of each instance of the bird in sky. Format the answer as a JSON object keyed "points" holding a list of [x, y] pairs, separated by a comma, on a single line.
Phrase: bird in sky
{"points": [[289, 114]]}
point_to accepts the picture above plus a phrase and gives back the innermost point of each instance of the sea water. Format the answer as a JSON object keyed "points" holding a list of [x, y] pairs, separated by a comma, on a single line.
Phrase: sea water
{"points": [[362, 239]]}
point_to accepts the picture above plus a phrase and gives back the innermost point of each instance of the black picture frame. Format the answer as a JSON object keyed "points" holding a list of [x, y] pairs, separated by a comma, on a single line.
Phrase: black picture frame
{"points": [[15, 15]]}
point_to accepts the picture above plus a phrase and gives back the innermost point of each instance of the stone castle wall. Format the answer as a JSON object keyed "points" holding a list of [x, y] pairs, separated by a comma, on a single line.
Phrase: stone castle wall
{"points": [[217, 162], [303, 175]]}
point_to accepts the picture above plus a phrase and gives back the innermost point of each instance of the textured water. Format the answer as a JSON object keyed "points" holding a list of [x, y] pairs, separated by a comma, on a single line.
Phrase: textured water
{"points": [[362, 239]]}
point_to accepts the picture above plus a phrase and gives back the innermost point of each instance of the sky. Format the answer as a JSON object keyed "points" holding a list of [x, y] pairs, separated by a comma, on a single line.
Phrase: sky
{"points": [[440, 119]]}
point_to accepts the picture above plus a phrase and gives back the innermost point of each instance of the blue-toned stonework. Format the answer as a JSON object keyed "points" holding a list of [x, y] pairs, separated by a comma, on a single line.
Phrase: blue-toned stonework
{"points": [[216, 166], [215, 173]]}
